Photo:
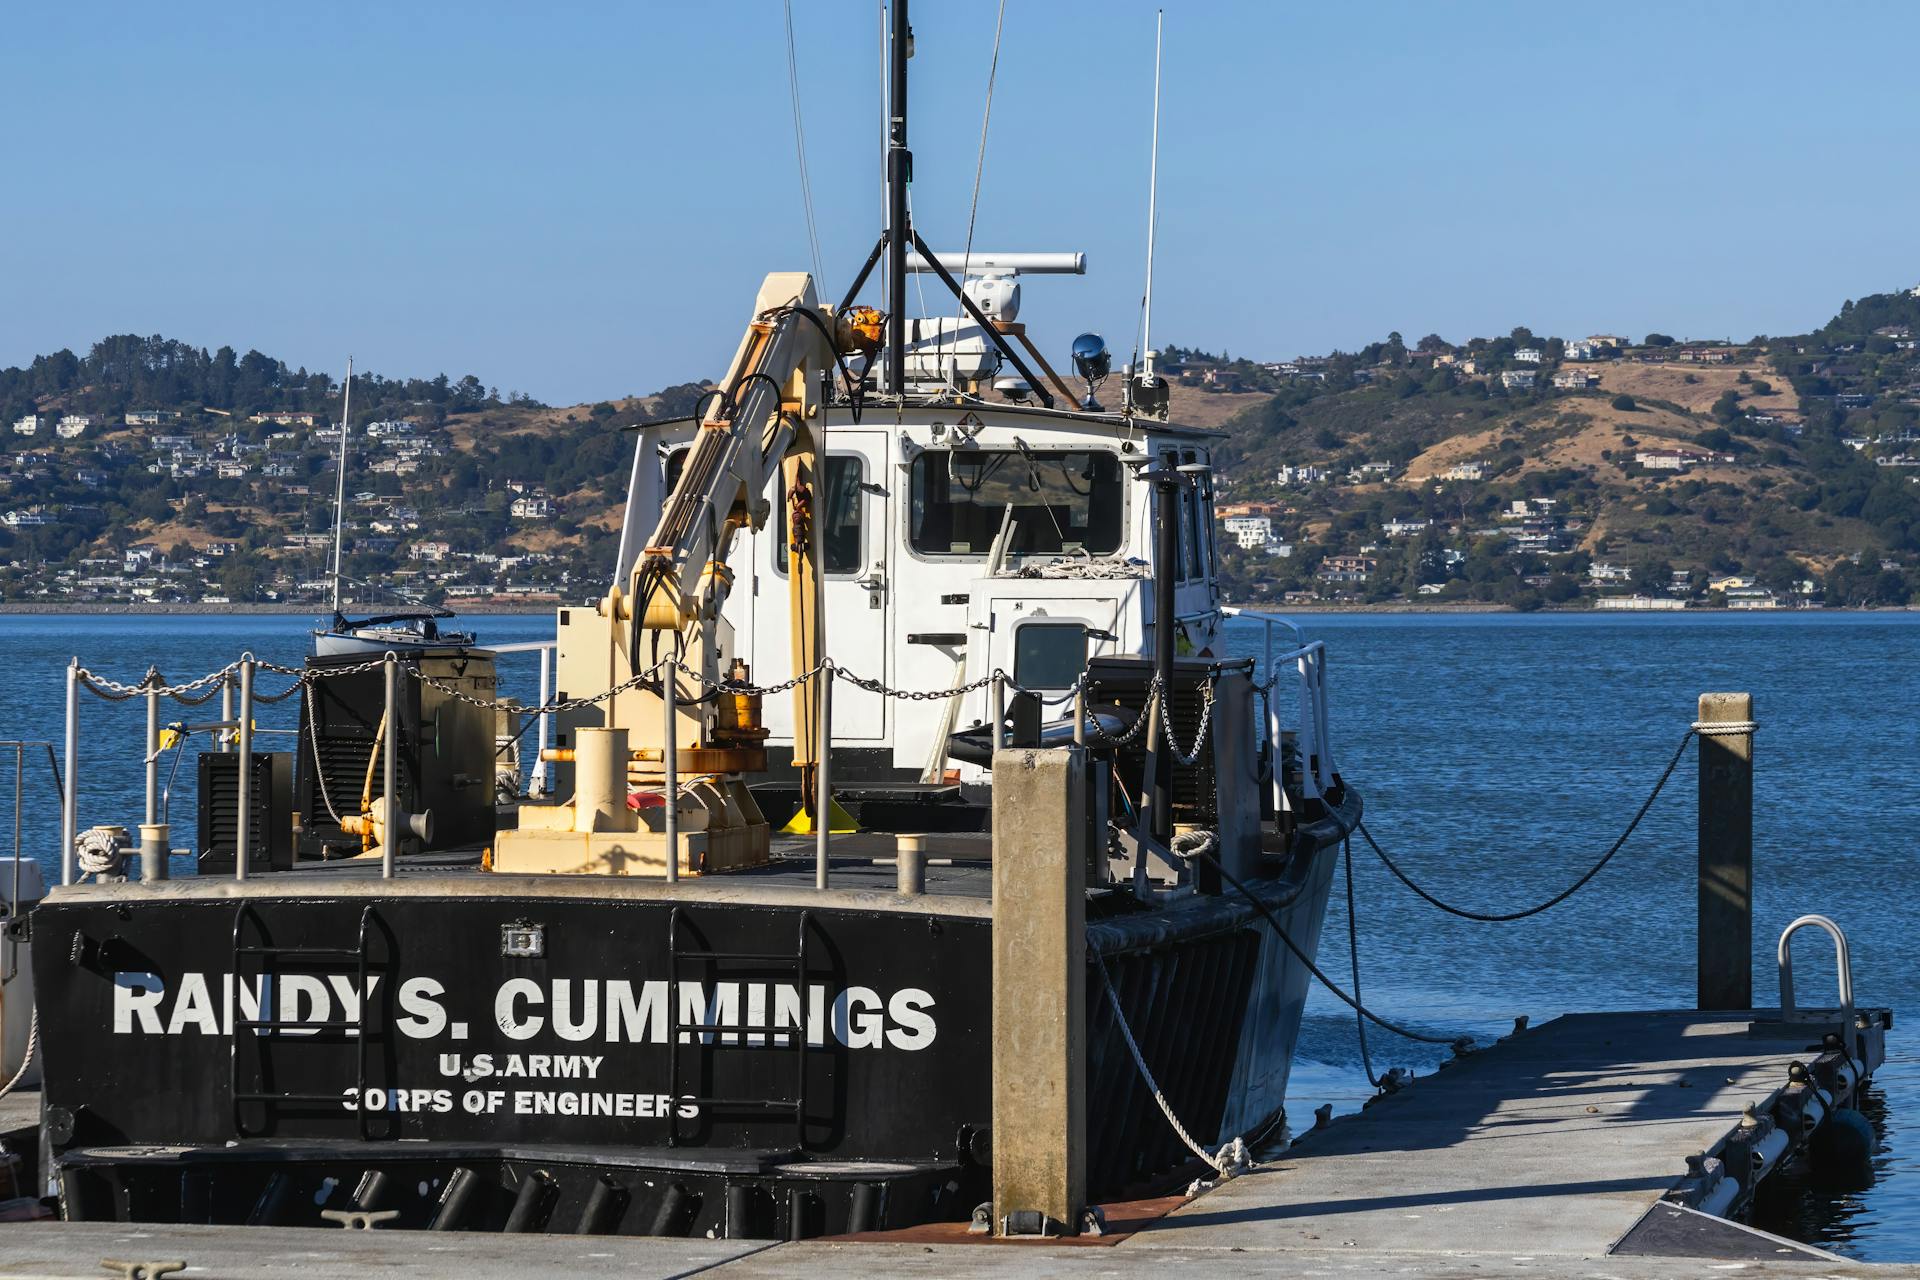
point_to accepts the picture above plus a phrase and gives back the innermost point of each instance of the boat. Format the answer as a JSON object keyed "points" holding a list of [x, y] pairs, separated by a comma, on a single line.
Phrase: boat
{"points": [[733, 973], [409, 629]]}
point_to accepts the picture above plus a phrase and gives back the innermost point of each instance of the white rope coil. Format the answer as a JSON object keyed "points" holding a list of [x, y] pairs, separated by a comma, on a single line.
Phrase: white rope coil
{"points": [[1719, 728]]}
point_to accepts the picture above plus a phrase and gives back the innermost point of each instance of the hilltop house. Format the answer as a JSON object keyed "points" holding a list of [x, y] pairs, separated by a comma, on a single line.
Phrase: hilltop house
{"points": [[27, 425], [1249, 532], [1518, 379], [1465, 471], [1300, 475], [1575, 379], [72, 425], [1601, 571], [285, 418], [1527, 355], [533, 506], [1347, 568], [151, 417]]}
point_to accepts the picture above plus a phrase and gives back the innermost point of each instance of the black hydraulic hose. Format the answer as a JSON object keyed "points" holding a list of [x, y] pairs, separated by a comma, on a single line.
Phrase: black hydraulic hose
{"points": [[1502, 917], [1307, 960]]}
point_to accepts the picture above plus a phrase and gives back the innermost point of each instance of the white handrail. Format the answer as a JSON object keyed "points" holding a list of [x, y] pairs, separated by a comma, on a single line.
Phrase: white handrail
{"points": [[1309, 658]]}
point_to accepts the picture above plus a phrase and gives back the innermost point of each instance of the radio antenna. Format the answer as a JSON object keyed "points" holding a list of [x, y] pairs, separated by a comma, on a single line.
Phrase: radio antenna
{"points": [[1153, 201]]}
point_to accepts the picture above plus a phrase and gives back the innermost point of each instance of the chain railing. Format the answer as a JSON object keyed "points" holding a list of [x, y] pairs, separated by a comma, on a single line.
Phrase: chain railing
{"points": [[1307, 660]]}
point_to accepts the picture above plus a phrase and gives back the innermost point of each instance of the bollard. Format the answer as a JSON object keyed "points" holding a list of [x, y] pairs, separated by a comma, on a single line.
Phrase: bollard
{"points": [[1039, 986], [226, 714], [910, 865], [1725, 930], [670, 767], [243, 789]]}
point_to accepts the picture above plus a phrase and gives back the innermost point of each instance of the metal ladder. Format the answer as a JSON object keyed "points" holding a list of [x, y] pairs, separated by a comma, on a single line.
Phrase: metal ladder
{"points": [[267, 953], [1843, 966], [707, 1035]]}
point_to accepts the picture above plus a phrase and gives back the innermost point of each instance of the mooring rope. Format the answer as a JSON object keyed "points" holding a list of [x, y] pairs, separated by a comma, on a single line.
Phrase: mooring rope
{"points": [[1353, 951], [1231, 1158], [1279, 929], [1503, 917]]}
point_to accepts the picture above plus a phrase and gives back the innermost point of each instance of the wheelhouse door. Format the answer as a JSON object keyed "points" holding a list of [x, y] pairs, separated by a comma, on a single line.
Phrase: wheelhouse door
{"points": [[854, 523]]}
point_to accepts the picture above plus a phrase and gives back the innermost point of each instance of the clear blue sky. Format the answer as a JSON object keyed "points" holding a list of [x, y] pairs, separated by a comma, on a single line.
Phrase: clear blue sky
{"points": [[578, 200]]}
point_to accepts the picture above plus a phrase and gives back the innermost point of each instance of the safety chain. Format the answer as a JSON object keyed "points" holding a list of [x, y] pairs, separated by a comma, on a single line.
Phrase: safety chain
{"points": [[1191, 758], [1139, 724], [724, 685], [115, 691]]}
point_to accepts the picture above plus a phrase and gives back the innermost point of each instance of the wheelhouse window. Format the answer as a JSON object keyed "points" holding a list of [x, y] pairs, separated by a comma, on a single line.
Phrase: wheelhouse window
{"points": [[845, 515], [1062, 501], [1049, 655]]}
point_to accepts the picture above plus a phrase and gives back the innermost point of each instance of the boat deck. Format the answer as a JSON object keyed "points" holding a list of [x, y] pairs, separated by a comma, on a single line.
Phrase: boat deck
{"points": [[957, 865]]}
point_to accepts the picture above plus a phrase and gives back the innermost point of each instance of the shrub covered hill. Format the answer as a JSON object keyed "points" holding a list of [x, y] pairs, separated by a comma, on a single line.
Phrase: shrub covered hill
{"points": [[148, 470], [1531, 470], [1525, 470]]}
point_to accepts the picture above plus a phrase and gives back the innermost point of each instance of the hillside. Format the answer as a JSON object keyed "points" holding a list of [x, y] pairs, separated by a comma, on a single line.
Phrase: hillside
{"points": [[1523, 470], [149, 471], [1762, 474]]}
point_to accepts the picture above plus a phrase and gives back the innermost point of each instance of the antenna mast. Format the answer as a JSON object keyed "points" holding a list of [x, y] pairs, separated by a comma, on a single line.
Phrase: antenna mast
{"points": [[1153, 199], [340, 487], [899, 174]]}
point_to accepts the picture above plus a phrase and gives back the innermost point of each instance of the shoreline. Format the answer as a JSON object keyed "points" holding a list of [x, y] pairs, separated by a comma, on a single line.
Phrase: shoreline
{"points": [[53, 609]]}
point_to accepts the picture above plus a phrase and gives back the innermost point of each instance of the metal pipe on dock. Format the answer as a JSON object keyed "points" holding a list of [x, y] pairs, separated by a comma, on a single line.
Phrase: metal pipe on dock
{"points": [[226, 713], [243, 790]]}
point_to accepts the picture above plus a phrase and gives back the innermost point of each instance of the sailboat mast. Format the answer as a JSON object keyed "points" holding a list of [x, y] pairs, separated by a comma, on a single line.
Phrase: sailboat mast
{"points": [[1153, 198], [340, 487]]}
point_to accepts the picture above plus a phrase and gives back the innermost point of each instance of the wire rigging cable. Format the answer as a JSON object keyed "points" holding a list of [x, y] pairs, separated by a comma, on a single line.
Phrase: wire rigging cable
{"points": [[1503, 917], [800, 148], [980, 162]]}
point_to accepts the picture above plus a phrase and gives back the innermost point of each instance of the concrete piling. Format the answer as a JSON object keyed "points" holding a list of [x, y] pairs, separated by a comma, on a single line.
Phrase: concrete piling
{"points": [[1039, 988], [1725, 932]]}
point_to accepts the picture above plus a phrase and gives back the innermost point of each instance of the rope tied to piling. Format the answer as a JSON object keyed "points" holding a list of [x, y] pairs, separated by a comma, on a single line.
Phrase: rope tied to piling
{"points": [[1504, 917], [1724, 728]]}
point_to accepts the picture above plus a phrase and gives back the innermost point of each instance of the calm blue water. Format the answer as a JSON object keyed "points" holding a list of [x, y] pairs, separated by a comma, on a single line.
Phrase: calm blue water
{"points": [[1499, 754]]}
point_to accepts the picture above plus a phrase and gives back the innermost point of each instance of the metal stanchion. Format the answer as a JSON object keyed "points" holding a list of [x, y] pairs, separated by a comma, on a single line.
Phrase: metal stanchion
{"points": [[823, 788], [390, 769], [154, 837], [999, 710], [243, 800], [537, 785], [670, 763], [226, 713], [69, 793], [1080, 715]]}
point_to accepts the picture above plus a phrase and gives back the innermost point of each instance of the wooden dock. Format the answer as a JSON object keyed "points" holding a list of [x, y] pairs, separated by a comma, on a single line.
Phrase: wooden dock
{"points": [[1561, 1151]]}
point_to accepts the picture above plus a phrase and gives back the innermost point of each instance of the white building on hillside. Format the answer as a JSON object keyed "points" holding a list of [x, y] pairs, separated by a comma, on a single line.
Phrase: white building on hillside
{"points": [[1250, 532], [27, 425]]}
